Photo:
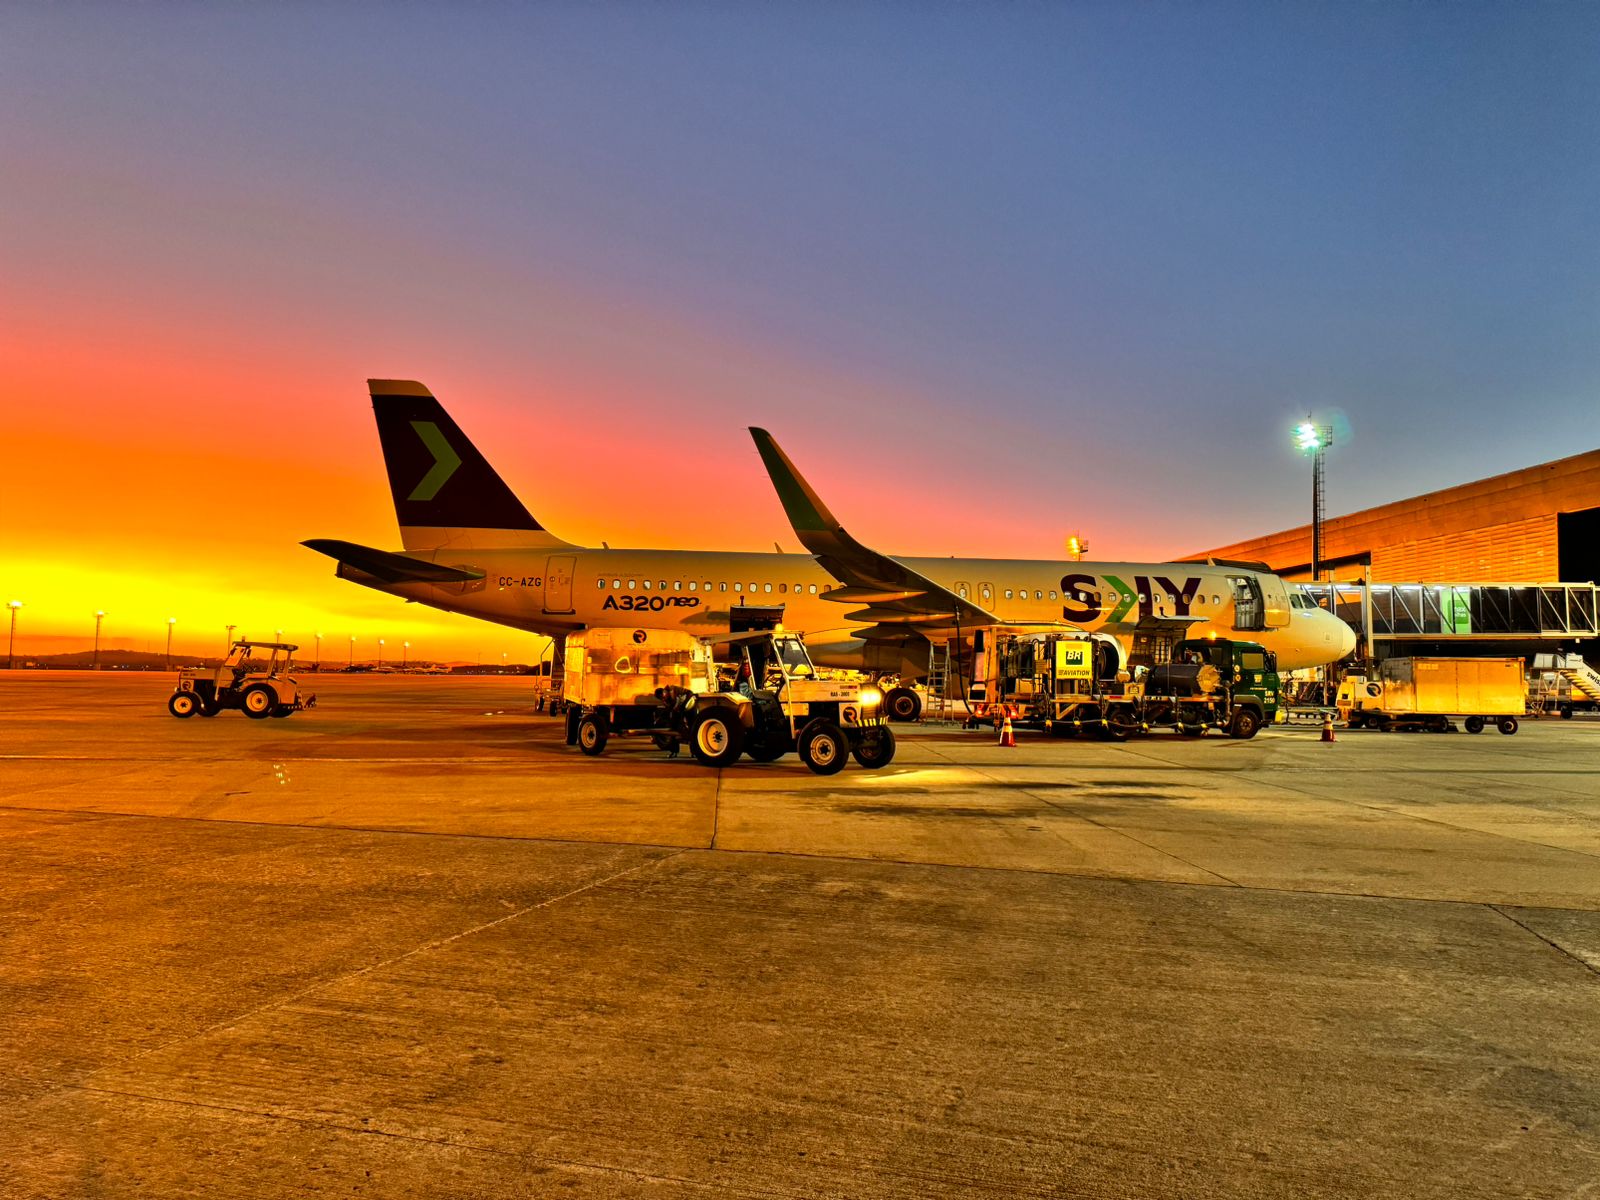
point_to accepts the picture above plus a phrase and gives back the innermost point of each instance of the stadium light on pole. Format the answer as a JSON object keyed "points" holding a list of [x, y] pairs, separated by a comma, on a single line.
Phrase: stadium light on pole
{"points": [[100, 615], [352, 662], [380, 654], [319, 652], [11, 647], [226, 649], [171, 621], [405, 654], [1314, 440]]}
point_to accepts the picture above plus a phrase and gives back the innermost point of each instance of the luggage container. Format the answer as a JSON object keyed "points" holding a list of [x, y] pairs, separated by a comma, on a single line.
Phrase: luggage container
{"points": [[1426, 693]]}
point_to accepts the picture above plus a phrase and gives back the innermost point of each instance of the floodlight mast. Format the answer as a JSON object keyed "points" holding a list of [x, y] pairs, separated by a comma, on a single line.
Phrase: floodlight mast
{"points": [[1313, 439]]}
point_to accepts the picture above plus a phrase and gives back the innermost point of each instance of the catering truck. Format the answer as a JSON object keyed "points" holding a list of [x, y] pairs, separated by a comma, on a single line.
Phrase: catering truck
{"points": [[1427, 693], [1067, 684]]}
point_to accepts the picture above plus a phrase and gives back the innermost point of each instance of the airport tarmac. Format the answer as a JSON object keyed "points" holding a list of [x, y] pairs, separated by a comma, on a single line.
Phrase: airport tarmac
{"points": [[408, 944]]}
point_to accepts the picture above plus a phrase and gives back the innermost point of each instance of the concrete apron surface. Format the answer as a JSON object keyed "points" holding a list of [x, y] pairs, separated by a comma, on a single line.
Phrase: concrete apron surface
{"points": [[407, 944]]}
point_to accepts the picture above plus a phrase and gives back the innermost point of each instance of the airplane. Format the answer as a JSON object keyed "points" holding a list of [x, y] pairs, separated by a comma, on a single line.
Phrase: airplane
{"points": [[470, 546]]}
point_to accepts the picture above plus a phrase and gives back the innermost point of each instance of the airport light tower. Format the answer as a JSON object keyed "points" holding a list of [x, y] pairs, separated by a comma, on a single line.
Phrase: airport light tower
{"points": [[1313, 439], [100, 615], [171, 621], [11, 647]]}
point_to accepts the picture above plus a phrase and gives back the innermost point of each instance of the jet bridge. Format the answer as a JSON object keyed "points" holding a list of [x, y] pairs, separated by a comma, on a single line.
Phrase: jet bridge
{"points": [[1462, 612]]}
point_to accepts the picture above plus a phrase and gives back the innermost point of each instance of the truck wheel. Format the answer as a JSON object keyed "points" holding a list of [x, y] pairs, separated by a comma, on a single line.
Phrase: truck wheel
{"points": [[716, 738], [1245, 723], [823, 748], [183, 704], [902, 704], [1112, 731], [1566, 712], [592, 735], [1473, 724], [1506, 725], [878, 753], [258, 702]]}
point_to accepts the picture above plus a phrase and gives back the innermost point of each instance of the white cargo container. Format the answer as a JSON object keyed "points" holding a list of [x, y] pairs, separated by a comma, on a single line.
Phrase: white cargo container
{"points": [[1427, 692], [615, 666]]}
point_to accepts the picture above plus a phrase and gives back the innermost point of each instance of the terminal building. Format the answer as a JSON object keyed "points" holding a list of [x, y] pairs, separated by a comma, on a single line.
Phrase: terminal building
{"points": [[1537, 525], [1504, 565]]}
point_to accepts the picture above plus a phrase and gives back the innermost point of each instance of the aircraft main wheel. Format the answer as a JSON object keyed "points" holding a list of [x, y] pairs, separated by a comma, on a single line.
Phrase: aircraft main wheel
{"points": [[1506, 725], [183, 704], [1245, 724], [716, 738], [879, 754], [902, 704], [823, 748], [1473, 724], [592, 735], [763, 752], [259, 702]]}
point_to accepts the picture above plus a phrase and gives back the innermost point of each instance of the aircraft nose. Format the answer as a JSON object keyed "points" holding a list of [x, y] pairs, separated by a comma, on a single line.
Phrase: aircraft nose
{"points": [[1344, 637]]}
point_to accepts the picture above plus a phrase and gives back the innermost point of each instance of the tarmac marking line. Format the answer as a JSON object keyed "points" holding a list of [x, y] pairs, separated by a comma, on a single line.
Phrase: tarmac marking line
{"points": [[1109, 829], [1556, 946], [334, 981], [1427, 820], [470, 1146]]}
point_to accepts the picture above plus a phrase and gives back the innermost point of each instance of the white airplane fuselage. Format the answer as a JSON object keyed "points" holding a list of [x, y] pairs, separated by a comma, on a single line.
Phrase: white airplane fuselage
{"points": [[554, 591]]}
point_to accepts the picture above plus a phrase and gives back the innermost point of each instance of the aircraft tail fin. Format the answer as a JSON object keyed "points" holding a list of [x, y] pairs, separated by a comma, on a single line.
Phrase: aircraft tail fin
{"points": [[445, 492]]}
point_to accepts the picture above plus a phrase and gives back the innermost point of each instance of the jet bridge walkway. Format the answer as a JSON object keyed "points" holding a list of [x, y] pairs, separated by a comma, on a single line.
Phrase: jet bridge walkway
{"points": [[1442, 612]]}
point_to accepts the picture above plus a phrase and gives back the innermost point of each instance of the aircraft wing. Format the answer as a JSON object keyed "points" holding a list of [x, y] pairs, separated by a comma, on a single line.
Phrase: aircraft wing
{"points": [[898, 600], [391, 568]]}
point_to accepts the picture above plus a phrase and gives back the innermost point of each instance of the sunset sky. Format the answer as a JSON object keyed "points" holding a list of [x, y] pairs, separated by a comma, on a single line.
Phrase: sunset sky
{"points": [[992, 273]]}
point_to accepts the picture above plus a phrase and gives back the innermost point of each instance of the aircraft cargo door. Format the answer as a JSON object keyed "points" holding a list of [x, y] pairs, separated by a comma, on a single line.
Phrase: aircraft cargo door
{"points": [[558, 584]]}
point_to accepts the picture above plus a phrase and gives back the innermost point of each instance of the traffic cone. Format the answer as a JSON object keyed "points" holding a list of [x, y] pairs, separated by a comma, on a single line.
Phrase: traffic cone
{"points": [[1007, 736], [1327, 727]]}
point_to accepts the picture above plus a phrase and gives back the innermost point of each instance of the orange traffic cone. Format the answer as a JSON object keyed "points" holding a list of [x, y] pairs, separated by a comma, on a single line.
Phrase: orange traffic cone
{"points": [[1007, 736], [1327, 727]]}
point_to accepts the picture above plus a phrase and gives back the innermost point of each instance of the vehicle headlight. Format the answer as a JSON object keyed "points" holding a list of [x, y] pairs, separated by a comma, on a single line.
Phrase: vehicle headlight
{"points": [[870, 697]]}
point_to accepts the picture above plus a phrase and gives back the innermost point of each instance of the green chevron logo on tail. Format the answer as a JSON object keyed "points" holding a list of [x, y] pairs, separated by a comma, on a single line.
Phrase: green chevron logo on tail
{"points": [[445, 461]]}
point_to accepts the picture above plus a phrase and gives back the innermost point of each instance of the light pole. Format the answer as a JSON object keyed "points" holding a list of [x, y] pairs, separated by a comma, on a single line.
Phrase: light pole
{"points": [[319, 652], [229, 647], [352, 662], [100, 615], [171, 621], [405, 654], [380, 654], [1313, 439], [11, 648], [1077, 547]]}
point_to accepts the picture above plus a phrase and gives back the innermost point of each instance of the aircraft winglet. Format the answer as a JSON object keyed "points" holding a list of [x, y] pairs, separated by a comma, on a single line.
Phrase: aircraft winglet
{"points": [[900, 598]]}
